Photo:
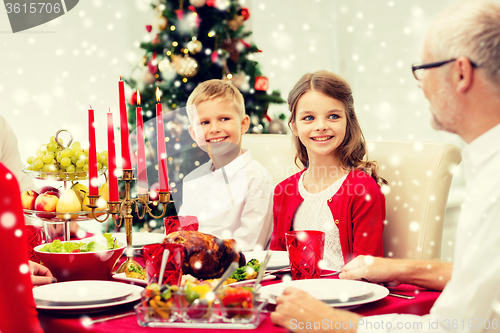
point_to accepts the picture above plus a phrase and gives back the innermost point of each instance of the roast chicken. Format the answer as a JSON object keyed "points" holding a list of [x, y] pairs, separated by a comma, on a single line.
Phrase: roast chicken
{"points": [[206, 256]]}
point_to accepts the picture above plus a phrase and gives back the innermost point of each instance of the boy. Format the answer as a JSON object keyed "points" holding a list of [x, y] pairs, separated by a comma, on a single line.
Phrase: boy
{"points": [[231, 194]]}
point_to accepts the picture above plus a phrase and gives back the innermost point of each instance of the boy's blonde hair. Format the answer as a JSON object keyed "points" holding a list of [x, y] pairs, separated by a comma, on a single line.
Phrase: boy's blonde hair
{"points": [[211, 89]]}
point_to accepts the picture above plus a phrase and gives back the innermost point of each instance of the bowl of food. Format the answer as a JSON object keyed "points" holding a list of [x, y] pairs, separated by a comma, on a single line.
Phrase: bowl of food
{"points": [[92, 259]]}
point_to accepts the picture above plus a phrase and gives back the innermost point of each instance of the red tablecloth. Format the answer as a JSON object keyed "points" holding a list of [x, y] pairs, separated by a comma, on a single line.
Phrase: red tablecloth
{"points": [[424, 299]]}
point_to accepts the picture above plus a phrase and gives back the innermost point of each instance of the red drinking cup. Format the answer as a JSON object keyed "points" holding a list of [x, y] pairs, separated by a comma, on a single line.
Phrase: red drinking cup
{"points": [[34, 235], [305, 250], [153, 255], [178, 223]]}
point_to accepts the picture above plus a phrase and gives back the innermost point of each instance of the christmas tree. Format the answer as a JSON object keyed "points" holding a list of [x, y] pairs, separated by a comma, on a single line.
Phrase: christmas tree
{"points": [[194, 41]]}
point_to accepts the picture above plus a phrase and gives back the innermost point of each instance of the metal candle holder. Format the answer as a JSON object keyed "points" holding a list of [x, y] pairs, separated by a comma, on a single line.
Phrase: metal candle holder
{"points": [[123, 210]]}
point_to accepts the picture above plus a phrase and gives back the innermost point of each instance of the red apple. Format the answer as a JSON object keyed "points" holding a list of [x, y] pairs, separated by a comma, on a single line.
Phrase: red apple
{"points": [[28, 199], [54, 190], [46, 202]]}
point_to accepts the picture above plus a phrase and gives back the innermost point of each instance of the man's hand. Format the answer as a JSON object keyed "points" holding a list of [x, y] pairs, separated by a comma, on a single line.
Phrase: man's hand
{"points": [[373, 269], [40, 274], [392, 272], [295, 308]]}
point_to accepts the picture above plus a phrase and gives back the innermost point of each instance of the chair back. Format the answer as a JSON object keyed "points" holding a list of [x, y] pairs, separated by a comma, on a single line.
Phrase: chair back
{"points": [[419, 176]]}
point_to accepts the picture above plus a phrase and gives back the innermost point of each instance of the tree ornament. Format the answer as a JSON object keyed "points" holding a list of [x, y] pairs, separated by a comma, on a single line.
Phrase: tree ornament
{"points": [[214, 57], [231, 47], [276, 126], [198, 3], [133, 99], [235, 23], [180, 14], [149, 27], [258, 129], [245, 13], [240, 81], [167, 70], [212, 3], [144, 61], [149, 78], [161, 23], [153, 66], [194, 46], [185, 66], [261, 83]]}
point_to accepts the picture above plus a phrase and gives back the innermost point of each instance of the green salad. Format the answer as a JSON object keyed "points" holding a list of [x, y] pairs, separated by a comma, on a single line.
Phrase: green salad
{"points": [[247, 272], [75, 247]]}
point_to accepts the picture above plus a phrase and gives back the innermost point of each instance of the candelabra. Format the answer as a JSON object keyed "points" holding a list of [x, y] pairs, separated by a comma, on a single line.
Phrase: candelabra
{"points": [[122, 210]]}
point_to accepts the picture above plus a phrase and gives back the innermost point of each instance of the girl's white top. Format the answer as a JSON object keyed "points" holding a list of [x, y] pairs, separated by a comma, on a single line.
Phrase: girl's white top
{"points": [[314, 214]]}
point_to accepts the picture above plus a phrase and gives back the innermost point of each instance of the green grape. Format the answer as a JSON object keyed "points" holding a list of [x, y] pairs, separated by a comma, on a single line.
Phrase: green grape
{"points": [[103, 158], [29, 167], [48, 159], [52, 139], [61, 175], [31, 159], [52, 146], [76, 145], [79, 169], [71, 168], [39, 156], [59, 158], [99, 166], [73, 159], [86, 151], [38, 164], [66, 152], [86, 168], [49, 168], [65, 161], [80, 164], [43, 148]]}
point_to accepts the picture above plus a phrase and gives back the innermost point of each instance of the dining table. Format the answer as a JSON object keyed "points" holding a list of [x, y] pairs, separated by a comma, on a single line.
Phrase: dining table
{"points": [[53, 321]]}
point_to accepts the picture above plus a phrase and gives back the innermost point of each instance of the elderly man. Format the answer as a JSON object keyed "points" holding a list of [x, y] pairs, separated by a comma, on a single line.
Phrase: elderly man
{"points": [[460, 76]]}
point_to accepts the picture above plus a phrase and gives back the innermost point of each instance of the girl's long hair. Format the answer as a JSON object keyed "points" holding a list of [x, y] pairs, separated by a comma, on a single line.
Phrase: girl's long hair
{"points": [[352, 150]]}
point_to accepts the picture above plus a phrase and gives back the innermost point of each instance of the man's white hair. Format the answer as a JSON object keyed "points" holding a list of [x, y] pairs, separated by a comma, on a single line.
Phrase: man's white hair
{"points": [[470, 28]]}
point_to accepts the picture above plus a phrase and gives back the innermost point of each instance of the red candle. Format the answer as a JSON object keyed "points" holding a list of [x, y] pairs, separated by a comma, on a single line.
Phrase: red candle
{"points": [[93, 181], [112, 180], [126, 163], [162, 154], [142, 174]]}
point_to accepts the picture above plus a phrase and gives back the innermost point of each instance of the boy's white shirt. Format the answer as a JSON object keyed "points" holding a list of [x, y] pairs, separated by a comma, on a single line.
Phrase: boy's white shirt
{"points": [[231, 202]]}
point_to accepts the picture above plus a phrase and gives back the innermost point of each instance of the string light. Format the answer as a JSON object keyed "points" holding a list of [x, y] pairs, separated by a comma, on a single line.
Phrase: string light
{"points": [[174, 43], [211, 33], [172, 27], [229, 76], [169, 53]]}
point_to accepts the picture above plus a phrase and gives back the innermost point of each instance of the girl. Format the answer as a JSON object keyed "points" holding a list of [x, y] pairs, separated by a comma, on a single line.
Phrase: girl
{"points": [[338, 191]]}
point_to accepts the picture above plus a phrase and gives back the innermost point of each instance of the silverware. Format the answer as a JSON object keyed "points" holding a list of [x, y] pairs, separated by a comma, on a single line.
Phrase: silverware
{"points": [[331, 274], [101, 320], [284, 269], [164, 259], [401, 296], [262, 269]]}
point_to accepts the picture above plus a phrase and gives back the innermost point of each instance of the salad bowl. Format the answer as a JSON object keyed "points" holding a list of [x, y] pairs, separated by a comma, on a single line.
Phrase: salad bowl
{"points": [[93, 260]]}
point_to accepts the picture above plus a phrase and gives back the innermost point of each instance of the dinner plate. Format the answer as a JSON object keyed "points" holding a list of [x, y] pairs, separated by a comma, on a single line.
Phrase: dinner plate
{"points": [[81, 292], [139, 239], [123, 277], [334, 292], [135, 295], [251, 282], [279, 259]]}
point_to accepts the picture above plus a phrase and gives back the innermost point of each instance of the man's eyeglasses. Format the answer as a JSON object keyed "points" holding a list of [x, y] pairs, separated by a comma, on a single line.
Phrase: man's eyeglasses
{"points": [[418, 69]]}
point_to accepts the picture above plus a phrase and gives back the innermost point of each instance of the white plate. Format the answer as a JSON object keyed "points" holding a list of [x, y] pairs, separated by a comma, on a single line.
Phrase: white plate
{"points": [[123, 277], [336, 293], [279, 259], [139, 239], [81, 292], [89, 308], [250, 282]]}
